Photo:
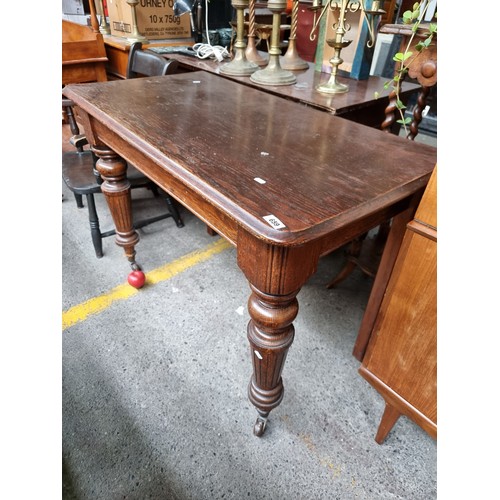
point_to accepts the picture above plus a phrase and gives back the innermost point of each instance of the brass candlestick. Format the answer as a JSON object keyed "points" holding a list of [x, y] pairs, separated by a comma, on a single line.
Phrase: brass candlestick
{"points": [[240, 65], [273, 73], [103, 25], [135, 36], [251, 52], [341, 27], [292, 60], [332, 86]]}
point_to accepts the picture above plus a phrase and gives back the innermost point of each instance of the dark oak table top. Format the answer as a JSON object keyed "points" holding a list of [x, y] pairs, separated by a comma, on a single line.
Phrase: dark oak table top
{"points": [[218, 137], [361, 93], [285, 183]]}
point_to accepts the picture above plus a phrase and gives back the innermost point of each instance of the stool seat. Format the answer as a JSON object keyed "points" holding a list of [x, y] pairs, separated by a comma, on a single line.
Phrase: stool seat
{"points": [[78, 174], [81, 178]]}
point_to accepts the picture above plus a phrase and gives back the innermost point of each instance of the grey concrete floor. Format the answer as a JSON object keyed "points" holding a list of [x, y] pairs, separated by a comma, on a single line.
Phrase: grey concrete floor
{"points": [[154, 384]]}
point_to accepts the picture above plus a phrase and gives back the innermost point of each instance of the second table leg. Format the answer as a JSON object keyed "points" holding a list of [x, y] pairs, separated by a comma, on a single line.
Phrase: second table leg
{"points": [[270, 333], [116, 189]]}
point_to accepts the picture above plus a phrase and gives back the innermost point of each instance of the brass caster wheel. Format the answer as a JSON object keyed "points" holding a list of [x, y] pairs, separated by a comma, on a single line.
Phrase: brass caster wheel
{"points": [[260, 426], [135, 266]]}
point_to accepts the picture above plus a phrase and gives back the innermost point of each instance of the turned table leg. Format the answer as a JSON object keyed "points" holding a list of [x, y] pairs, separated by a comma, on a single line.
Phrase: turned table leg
{"points": [[276, 274], [270, 333], [116, 189]]}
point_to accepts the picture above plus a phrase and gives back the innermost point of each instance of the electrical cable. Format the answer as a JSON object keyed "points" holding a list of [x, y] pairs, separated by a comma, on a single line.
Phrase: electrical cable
{"points": [[206, 50]]}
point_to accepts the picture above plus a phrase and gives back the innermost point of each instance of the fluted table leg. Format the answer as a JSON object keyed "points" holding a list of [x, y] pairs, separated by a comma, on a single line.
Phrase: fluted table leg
{"points": [[116, 189], [270, 333], [276, 274]]}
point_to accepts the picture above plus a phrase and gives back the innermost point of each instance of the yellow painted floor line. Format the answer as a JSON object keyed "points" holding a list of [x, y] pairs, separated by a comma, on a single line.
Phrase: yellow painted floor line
{"points": [[82, 311]]}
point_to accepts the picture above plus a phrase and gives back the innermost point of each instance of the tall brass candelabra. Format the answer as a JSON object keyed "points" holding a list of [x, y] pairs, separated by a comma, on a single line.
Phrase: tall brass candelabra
{"points": [[333, 86]]}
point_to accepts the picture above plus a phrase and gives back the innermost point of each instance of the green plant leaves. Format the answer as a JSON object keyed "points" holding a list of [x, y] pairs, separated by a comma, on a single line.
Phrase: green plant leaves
{"points": [[399, 104], [407, 17], [413, 17], [405, 121], [401, 57]]}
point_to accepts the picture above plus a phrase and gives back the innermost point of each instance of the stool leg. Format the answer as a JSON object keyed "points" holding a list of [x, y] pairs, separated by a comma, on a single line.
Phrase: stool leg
{"points": [[79, 200], [173, 210], [154, 189], [95, 229]]}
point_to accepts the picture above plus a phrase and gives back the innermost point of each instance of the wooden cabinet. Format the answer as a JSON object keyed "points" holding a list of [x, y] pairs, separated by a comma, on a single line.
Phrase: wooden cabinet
{"points": [[401, 357], [83, 54]]}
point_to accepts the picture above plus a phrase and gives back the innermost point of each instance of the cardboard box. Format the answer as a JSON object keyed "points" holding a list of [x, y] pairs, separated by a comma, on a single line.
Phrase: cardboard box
{"points": [[77, 18], [155, 19]]}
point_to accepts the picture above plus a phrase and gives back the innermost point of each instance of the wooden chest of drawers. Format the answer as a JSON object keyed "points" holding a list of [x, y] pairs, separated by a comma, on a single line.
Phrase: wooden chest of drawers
{"points": [[401, 358]]}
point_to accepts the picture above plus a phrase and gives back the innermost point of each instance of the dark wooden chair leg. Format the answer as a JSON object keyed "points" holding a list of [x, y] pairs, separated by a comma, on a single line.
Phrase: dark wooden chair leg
{"points": [[383, 233], [154, 189], [353, 253], [79, 200], [348, 268], [95, 229], [369, 264], [173, 210]]}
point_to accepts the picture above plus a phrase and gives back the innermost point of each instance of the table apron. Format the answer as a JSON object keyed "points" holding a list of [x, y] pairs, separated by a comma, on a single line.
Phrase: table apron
{"points": [[194, 201]]}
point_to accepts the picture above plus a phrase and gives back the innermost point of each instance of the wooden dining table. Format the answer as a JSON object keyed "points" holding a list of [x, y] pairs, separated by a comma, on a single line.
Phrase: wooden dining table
{"points": [[284, 183]]}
